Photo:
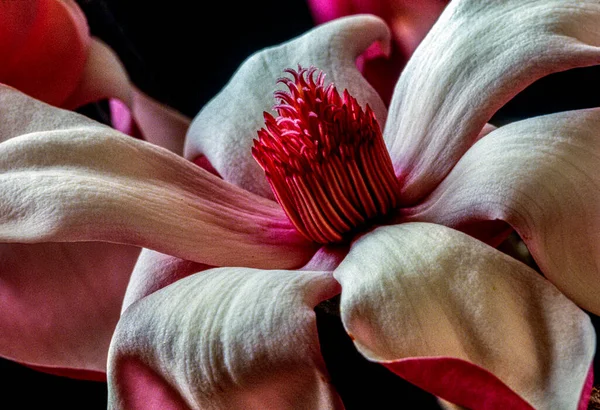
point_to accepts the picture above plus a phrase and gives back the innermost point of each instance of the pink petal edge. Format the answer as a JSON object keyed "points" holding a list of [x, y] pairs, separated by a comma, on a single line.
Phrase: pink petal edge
{"points": [[459, 382], [229, 338]]}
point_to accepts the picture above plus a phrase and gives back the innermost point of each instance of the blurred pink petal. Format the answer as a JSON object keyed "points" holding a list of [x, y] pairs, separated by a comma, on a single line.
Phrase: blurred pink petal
{"points": [[42, 328], [102, 185], [225, 128], [103, 77], [229, 338], [158, 123], [121, 118], [464, 313], [541, 176], [453, 84], [147, 119], [133, 111], [59, 304], [408, 20], [43, 47]]}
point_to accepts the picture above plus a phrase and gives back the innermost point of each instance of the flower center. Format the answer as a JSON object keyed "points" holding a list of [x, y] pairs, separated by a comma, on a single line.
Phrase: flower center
{"points": [[325, 159]]}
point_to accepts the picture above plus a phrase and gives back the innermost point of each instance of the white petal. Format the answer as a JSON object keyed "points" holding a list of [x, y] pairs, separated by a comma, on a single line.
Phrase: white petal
{"points": [[541, 176], [417, 295], [69, 179], [153, 271], [229, 338], [225, 128], [476, 58]]}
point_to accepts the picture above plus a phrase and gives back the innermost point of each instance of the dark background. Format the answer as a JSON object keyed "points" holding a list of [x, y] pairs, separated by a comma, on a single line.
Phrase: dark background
{"points": [[182, 55]]}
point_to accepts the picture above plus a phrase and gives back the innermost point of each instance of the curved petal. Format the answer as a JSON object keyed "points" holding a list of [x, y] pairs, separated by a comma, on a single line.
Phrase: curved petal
{"points": [[224, 339], [103, 77], [154, 271], [327, 258], [43, 47], [408, 20], [541, 176], [225, 128], [463, 320], [158, 123], [59, 303], [146, 118], [134, 112], [475, 59], [85, 182]]}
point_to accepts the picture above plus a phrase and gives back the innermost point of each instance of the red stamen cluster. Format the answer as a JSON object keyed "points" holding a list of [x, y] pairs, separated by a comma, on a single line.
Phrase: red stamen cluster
{"points": [[325, 158]]}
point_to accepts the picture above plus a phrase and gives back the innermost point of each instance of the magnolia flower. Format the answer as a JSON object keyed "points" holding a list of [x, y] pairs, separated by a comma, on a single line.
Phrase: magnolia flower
{"points": [[218, 312]]}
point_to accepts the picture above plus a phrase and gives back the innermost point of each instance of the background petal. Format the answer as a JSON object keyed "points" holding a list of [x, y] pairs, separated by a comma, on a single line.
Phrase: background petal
{"points": [[225, 128], [59, 303], [103, 77], [225, 338], [465, 315], [408, 20], [132, 111], [541, 176], [43, 47], [82, 181], [474, 60]]}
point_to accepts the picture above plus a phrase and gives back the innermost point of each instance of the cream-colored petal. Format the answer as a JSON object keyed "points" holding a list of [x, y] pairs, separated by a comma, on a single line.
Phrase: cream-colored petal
{"points": [[226, 127], [153, 271], [541, 176], [478, 56], [228, 338], [449, 313], [68, 179]]}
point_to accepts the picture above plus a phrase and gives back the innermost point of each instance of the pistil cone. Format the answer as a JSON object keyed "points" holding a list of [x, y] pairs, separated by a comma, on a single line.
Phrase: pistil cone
{"points": [[325, 159]]}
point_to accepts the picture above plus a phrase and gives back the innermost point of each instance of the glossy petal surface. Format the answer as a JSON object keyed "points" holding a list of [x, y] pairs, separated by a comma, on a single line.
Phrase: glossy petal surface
{"points": [[467, 314], [223, 339], [476, 58], [227, 125]]}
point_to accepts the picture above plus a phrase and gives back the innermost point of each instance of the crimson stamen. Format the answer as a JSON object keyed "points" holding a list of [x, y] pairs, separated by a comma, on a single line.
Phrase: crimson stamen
{"points": [[325, 158]]}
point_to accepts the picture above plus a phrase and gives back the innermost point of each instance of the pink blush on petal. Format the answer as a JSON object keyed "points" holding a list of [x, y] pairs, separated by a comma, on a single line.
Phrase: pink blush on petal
{"points": [[121, 118], [587, 390], [144, 389], [459, 382]]}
